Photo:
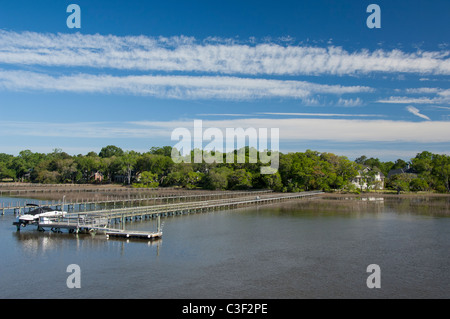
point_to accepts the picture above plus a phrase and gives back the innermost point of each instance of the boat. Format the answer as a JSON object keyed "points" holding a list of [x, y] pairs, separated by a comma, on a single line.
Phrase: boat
{"points": [[39, 213]]}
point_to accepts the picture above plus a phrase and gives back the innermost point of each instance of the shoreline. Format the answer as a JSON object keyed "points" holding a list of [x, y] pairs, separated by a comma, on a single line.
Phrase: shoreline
{"points": [[102, 191], [389, 195]]}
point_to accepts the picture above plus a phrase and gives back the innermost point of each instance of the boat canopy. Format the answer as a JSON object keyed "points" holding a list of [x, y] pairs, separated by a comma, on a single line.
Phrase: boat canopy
{"points": [[40, 210]]}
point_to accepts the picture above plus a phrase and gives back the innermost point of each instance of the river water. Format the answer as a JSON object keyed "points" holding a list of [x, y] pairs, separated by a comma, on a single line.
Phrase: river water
{"points": [[299, 249]]}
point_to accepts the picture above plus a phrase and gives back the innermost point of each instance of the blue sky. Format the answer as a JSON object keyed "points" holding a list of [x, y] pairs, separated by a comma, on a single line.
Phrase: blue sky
{"points": [[136, 70]]}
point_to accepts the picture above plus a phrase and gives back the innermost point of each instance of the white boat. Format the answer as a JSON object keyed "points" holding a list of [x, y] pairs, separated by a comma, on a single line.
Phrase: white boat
{"points": [[33, 216]]}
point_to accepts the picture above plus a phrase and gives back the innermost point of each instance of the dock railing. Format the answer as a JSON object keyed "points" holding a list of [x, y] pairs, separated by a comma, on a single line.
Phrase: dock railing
{"points": [[103, 219]]}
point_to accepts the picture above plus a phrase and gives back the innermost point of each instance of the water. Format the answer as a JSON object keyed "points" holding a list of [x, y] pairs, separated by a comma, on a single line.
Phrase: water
{"points": [[301, 249]]}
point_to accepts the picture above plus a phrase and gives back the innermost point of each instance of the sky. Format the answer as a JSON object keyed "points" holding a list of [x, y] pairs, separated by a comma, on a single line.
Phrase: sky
{"points": [[137, 70]]}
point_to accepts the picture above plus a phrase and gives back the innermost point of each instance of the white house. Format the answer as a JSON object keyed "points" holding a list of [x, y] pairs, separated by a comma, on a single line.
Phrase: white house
{"points": [[369, 178]]}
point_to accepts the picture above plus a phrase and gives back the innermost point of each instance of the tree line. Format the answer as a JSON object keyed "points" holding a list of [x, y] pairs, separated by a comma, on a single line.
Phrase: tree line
{"points": [[298, 171]]}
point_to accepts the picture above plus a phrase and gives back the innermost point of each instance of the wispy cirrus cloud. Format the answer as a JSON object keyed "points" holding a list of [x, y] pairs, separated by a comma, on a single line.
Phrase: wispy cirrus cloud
{"points": [[172, 86], [323, 114], [416, 111], [318, 129], [434, 96], [410, 100], [293, 129], [350, 102], [187, 54], [213, 68]]}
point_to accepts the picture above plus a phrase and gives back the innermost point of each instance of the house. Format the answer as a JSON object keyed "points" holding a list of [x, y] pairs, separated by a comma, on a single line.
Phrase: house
{"points": [[126, 178], [369, 178], [98, 177], [405, 170]]}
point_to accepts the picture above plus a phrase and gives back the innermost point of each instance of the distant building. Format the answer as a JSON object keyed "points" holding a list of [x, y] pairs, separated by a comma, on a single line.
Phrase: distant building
{"points": [[123, 178], [369, 178], [405, 170], [98, 177]]}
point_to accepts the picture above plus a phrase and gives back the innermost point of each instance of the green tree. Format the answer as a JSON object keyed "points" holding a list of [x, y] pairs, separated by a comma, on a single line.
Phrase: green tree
{"points": [[179, 176], [129, 160], [48, 177], [158, 164], [6, 173], [347, 171], [148, 179], [273, 181], [110, 151], [361, 160], [66, 168], [399, 163], [418, 184], [164, 151], [88, 165], [423, 165], [240, 179], [20, 166], [441, 172], [400, 182], [216, 180]]}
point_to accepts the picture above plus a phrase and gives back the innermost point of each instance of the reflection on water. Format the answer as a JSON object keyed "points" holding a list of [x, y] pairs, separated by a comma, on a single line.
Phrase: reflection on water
{"points": [[35, 243], [356, 205], [315, 248]]}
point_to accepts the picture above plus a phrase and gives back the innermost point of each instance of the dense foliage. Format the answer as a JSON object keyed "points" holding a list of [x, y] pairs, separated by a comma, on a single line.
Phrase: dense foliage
{"points": [[298, 171]]}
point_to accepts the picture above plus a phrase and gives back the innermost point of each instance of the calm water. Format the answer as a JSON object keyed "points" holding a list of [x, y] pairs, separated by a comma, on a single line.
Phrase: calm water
{"points": [[303, 249]]}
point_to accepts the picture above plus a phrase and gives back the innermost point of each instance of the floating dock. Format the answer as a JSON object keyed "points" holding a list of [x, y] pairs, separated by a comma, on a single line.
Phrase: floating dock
{"points": [[133, 234], [93, 224]]}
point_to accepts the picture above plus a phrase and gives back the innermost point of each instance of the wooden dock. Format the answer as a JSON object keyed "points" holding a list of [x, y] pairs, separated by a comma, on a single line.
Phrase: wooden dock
{"points": [[103, 220], [129, 200], [133, 234], [94, 224], [153, 211]]}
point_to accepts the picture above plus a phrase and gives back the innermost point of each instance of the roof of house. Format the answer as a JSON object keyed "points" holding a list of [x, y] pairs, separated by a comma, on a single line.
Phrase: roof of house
{"points": [[397, 171], [374, 168]]}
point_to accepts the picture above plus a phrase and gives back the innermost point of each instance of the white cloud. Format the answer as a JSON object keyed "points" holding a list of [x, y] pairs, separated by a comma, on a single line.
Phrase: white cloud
{"points": [[171, 86], [412, 100], [350, 102], [223, 56], [382, 153], [323, 114], [438, 96], [224, 114], [416, 112], [292, 129], [423, 90], [444, 93], [345, 130]]}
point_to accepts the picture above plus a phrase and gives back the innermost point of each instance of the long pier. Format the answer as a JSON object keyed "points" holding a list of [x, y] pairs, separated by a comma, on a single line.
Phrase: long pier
{"points": [[198, 206], [132, 200], [105, 220]]}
